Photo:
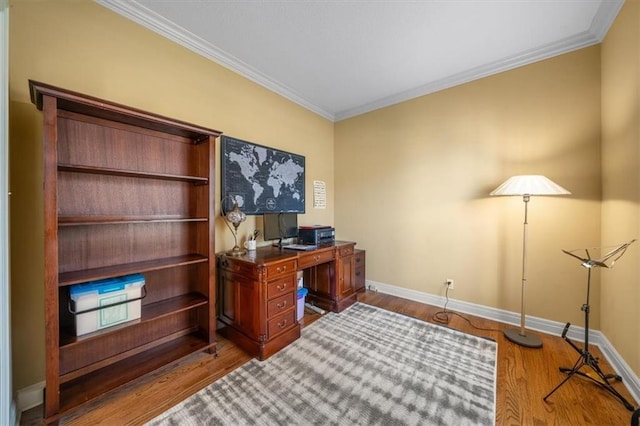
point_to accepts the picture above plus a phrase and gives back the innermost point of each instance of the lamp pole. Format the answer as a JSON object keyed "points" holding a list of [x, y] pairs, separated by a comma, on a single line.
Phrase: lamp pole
{"points": [[520, 336], [526, 199]]}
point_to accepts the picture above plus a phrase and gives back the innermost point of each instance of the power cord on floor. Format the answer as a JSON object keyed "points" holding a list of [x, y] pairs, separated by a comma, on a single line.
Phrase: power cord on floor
{"points": [[444, 316]]}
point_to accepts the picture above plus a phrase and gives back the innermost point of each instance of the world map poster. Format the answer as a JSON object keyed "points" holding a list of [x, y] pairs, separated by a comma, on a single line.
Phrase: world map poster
{"points": [[261, 179]]}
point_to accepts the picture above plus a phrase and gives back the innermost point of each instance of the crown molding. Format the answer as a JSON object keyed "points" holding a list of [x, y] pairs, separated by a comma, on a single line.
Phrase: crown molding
{"points": [[147, 18], [601, 23], [134, 11], [534, 55]]}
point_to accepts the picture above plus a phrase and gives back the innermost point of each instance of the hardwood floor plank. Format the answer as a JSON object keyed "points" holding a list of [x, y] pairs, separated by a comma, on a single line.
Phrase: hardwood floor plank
{"points": [[524, 377]]}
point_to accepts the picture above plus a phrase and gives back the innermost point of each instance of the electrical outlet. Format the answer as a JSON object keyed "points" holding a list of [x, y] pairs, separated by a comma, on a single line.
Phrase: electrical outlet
{"points": [[449, 283]]}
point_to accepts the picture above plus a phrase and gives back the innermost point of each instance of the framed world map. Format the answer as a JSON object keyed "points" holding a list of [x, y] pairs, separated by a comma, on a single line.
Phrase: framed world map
{"points": [[261, 179]]}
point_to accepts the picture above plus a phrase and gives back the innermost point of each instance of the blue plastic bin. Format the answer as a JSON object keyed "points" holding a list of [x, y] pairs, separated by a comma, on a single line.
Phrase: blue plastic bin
{"points": [[301, 295]]}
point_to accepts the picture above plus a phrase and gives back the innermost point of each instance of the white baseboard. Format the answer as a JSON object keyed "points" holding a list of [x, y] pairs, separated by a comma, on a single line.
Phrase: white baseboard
{"points": [[14, 415], [32, 395], [629, 378], [29, 397]]}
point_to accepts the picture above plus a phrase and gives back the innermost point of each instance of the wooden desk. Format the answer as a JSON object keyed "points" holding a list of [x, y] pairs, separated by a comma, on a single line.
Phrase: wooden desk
{"points": [[257, 292]]}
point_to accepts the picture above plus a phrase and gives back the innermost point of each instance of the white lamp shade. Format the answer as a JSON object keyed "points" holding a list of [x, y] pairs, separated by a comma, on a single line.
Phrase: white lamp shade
{"points": [[529, 185]]}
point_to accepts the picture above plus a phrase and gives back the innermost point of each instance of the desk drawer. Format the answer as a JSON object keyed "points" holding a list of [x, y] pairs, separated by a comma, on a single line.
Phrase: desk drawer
{"points": [[281, 323], [236, 266], [346, 250], [283, 285], [280, 269], [280, 304], [315, 257]]}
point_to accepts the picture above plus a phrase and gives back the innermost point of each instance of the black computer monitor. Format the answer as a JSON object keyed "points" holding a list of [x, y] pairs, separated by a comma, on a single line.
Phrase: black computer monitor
{"points": [[279, 226]]}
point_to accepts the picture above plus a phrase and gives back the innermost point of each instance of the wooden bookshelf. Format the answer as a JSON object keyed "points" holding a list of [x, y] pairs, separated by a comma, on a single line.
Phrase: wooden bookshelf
{"points": [[125, 191]]}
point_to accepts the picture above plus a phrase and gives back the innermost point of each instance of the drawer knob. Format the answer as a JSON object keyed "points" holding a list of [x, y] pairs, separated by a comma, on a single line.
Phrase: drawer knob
{"points": [[283, 324], [281, 287], [282, 305]]}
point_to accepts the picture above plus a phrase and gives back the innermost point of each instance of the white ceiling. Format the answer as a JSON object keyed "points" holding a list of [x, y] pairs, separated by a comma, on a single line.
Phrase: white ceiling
{"points": [[341, 58]]}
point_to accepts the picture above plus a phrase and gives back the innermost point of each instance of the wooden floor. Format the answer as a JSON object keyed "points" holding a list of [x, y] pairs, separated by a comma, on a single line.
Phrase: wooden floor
{"points": [[524, 377]]}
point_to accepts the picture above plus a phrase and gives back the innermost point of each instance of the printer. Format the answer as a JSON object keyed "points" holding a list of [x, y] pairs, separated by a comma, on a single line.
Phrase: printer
{"points": [[316, 235]]}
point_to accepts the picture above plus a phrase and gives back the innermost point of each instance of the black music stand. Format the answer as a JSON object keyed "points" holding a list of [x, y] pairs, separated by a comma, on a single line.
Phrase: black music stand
{"points": [[586, 358]]}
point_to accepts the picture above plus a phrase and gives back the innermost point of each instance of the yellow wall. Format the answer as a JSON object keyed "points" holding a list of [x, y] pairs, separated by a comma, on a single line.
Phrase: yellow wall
{"points": [[409, 182], [620, 319], [84, 47], [414, 182]]}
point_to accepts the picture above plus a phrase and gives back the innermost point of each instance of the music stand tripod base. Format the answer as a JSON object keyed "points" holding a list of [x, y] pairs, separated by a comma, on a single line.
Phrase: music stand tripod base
{"points": [[527, 340], [595, 375], [587, 359]]}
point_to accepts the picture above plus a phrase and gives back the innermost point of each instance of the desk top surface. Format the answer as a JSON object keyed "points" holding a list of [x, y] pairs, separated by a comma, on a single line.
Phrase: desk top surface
{"points": [[270, 253]]}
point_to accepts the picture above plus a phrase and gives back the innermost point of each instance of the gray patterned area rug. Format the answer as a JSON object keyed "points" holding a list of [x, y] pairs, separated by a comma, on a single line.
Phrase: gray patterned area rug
{"points": [[363, 366]]}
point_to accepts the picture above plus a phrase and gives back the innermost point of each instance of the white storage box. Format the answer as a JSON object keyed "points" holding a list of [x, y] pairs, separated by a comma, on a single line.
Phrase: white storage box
{"points": [[300, 279], [112, 293]]}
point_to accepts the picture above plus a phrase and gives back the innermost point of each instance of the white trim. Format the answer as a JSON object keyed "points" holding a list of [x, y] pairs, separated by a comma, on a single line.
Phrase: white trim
{"points": [[32, 396], [29, 397], [629, 378], [136, 12], [7, 406], [601, 23], [607, 13], [563, 46], [159, 24]]}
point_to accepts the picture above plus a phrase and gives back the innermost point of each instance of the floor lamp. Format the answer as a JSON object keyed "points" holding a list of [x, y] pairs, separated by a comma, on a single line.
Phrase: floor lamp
{"points": [[526, 186]]}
